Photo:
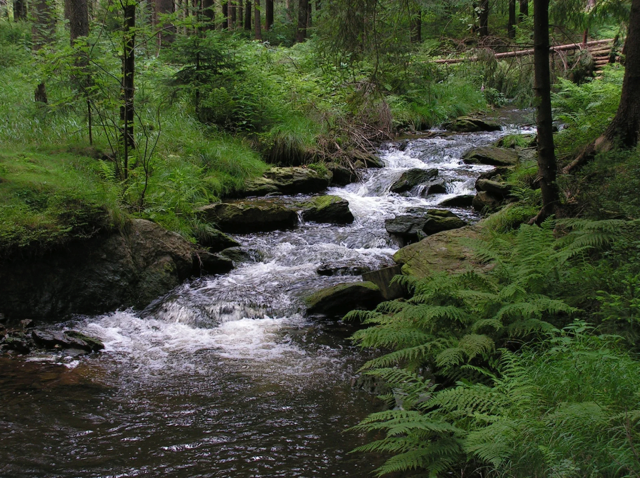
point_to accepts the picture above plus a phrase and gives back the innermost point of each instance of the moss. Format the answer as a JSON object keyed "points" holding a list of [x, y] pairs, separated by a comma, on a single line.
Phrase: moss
{"points": [[49, 199], [322, 202]]}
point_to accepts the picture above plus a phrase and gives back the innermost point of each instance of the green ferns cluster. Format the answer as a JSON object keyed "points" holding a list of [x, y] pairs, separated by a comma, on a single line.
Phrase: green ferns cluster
{"points": [[469, 396]]}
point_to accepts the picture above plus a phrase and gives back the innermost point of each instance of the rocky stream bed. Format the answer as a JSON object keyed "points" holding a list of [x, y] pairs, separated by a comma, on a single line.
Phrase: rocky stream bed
{"points": [[239, 374]]}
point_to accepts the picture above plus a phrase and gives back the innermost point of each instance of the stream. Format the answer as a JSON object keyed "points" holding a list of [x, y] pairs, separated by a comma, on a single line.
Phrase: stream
{"points": [[226, 376]]}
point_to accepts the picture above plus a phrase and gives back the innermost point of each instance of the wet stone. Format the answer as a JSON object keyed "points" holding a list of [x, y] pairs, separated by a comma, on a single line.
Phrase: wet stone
{"points": [[342, 269]]}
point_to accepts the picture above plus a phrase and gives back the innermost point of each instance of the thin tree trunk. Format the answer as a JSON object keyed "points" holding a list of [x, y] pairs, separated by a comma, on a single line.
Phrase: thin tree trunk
{"points": [[232, 14], [547, 167], [624, 129], [42, 33], [524, 10], [225, 14], [19, 10], [511, 27], [256, 20], [208, 9], [289, 10], [78, 15], [168, 32], [309, 13], [268, 15], [416, 26], [128, 74], [247, 15], [301, 32], [483, 17], [240, 14]]}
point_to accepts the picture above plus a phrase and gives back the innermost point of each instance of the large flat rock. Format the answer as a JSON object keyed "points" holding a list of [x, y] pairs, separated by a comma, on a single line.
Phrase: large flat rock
{"points": [[440, 252], [492, 156]]}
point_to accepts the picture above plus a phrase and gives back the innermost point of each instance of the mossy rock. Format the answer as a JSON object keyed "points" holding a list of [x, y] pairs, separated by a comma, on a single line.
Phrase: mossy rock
{"points": [[289, 180], [329, 209], [490, 155], [342, 298], [441, 252], [467, 124], [413, 178], [249, 216], [217, 241]]}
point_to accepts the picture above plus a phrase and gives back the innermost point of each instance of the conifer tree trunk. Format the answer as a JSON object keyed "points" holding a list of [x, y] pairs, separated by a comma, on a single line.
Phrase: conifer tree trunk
{"points": [[42, 33], [168, 32], [624, 129], [483, 17], [247, 16], [309, 13], [524, 9], [547, 167], [209, 13], [233, 14], [78, 16], [128, 91], [511, 30], [225, 14], [19, 10], [256, 20], [416, 26], [301, 32], [268, 15]]}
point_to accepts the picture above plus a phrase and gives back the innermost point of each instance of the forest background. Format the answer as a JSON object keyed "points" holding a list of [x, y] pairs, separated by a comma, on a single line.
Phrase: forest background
{"points": [[120, 109]]}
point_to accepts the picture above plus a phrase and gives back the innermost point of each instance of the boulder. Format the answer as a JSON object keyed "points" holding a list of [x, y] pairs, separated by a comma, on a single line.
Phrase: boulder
{"points": [[330, 209], [497, 174], [382, 278], [341, 174], [217, 241], [69, 339], [466, 124], [437, 186], [289, 180], [441, 220], [342, 269], [412, 178], [514, 141], [412, 227], [249, 216], [484, 201], [207, 263], [342, 298], [239, 255], [109, 271], [492, 156], [494, 188], [443, 251], [458, 201], [406, 227]]}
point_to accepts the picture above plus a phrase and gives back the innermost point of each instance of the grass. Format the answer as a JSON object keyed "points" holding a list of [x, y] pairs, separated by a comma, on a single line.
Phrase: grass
{"points": [[49, 198]]}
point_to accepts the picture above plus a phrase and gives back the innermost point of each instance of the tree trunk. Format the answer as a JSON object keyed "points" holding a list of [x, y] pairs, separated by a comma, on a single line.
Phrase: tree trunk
{"points": [[78, 15], [168, 32], [547, 167], [524, 10], [42, 33], [256, 20], [624, 129], [309, 13], [289, 10], [19, 10], [233, 14], [240, 14], [269, 15], [128, 74], [301, 32], [511, 27], [483, 17], [209, 13], [225, 14], [247, 15], [416, 26]]}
